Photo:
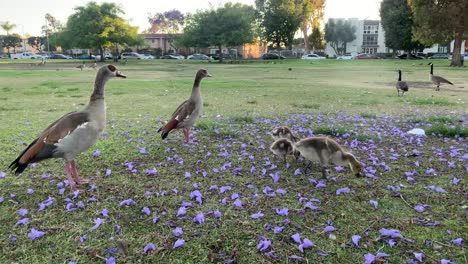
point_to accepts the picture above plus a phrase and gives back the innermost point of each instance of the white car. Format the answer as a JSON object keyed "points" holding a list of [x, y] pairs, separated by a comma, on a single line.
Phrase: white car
{"points": [[346, 56], [131, 55], [312, 57], [147, 56]]}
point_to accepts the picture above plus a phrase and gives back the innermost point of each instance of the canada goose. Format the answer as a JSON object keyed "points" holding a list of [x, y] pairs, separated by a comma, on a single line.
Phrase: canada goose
{"points": [[326, 151], [187, 113], [282, 147], [435, 79], [71, 134], [401, 85], [81, 66], [284, 132]]}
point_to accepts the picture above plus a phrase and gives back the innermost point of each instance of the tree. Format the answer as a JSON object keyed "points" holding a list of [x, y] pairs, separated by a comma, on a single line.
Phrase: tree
{"points": [[338, 33], [312, 16], [12, 41], [397, 22], [7, 26], [97, 26], [170, 22], [316, 39], [37, 42], [279, 20], [441, 21], [228, 26]]}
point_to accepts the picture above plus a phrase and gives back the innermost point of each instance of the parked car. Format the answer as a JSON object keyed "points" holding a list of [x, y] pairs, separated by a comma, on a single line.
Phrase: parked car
{"points": [[272, 56], [312, 57], [412, 57], [43, 55], [346, 56], [131, 55], [170, 57], [365, 56], [198, 57], [439, 56], [24, 55], [87, 57], [107, 55], [60, 56], [147, 56]]}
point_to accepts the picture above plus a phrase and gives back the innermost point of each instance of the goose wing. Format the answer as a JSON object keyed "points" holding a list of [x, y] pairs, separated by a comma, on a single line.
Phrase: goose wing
{"points": [[183, 112]]}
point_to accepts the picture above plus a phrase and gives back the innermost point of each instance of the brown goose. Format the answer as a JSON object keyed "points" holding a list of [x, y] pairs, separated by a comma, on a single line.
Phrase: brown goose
{"points": [[284, 132], [282, 147], [187, 113], [326, 151], [71, 134], [401, 85], [81, 66], [435, 79]]}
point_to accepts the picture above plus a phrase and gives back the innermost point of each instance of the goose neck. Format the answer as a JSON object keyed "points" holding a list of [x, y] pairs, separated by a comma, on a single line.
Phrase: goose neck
{"points": [[99, 85]]}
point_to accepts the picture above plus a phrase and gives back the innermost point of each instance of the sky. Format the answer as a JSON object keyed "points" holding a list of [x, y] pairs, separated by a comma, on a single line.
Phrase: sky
{"points": [[28, 15]]}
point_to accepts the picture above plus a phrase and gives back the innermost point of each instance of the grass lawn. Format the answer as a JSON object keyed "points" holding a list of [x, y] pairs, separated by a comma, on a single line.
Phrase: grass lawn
{"points": [[251, 204]]}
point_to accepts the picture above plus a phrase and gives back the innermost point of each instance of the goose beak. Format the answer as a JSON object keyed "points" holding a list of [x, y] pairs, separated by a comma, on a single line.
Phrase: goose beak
{"points": [[208, 75], [119, 74]]}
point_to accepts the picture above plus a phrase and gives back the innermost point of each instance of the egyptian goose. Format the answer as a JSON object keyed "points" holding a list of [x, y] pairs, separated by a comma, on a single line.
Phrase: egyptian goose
{"points": [[187, 113], [401, 85], [282, 147], [81, 66], [326, 151], [284, 132], [71, 134], [437, 80]]}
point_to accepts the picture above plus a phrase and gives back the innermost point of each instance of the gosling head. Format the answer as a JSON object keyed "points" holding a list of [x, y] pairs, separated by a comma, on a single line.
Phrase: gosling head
{"points": [[356, 167]]}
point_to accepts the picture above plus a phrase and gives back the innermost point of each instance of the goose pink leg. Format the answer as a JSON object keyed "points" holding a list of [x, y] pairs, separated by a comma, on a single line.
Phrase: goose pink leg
{"points": [[186, 135], [71, 180], [77, 178]]}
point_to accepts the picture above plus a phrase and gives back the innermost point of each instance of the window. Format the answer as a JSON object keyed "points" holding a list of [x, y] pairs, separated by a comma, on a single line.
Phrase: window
{"points": [[369, 40]]}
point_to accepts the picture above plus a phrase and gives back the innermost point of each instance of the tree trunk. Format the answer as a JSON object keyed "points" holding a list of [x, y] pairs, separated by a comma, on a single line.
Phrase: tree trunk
{"points": [[456, 56], [220, 53], [306, 38], [101, 51], [408, 54]]}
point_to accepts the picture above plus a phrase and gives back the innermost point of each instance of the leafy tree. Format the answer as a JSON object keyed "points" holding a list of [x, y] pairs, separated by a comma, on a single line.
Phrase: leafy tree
{"points": [[312, 16], [338, 33], [170, 22], [97, 26], [7, 26], [397, 22], [12, 41], [279, 20], [441, 21], [316, 39], [37, 42], [228, 26]]}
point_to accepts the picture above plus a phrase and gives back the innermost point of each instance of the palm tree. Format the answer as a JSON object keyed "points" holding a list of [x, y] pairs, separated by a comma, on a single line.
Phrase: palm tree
{"points": [[7, 26]]}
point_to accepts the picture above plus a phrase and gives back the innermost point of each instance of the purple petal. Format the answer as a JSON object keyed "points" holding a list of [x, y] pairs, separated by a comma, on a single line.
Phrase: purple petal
{"points": [[355, 239], [278, 229], [217, 214], [30, 191], [149, 247], [127, 202], [108, 172], [182, 211], [310, 206], [369, 258], [418, 256], [96, 153], [295, 257], [2, 174], [110, 260], [329, 229], [146, 210], [199, 218], [238, 204], [105, 212], [282, 211], [263, 245], [297, 172], [342, 190], [97, 222], [151, 171], [23, 211], [374, 203], [257, 215], [455, 181], [297, 238], [457, 242], [36, 234], [321, 184], [23, 221], [177, 231], [393, 233], [179, 243]]}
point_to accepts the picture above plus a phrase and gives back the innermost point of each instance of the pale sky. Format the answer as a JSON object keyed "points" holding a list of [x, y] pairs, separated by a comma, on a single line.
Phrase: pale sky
{"points": [[28, 15]]}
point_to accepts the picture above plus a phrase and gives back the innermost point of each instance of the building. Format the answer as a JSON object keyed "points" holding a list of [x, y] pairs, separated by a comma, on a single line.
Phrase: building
{"points": [[369, 38], [441, 48], [161, 41]]}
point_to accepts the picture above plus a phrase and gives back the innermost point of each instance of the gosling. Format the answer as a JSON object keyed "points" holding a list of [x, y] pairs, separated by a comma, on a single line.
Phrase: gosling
{"points": [[326, 151], [284, 132], [282, 147]]}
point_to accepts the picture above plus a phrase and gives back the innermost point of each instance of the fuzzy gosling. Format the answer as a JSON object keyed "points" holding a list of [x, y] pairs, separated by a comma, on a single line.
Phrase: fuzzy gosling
{"points": [[282, 147], [326, 151], [283, 132]]}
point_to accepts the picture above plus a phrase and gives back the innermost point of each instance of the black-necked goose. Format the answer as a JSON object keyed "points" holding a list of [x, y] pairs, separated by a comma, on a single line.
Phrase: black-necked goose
{"points": [[284, 132], [72, 134], [401, 85], [187, 113], [326, 151], [435, 79]]}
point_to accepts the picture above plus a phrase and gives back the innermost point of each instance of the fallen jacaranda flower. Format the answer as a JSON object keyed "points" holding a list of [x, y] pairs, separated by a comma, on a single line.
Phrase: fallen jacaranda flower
{"points": [[149, 247], [36, 234]]}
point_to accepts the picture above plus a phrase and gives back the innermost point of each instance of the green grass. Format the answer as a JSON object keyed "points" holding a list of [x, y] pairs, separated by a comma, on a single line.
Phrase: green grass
{"points": [[232, 140]]}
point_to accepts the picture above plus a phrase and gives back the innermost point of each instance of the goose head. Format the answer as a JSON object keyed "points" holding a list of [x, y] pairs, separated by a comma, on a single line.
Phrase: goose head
{"points": [[110, 71], [202, 73], [282, 146], [430, 63], [356, 167]]}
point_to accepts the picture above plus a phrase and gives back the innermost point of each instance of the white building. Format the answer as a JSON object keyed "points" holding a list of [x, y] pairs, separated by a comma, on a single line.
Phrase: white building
{"points": [[440, 48], [369, 38]]}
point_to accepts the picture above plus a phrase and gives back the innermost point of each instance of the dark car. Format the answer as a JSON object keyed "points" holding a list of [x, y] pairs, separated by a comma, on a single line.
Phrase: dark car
{"points": [[86, 57], [439, 56], [60, 57], [365, 56], [412, 57], [272, 56]]}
